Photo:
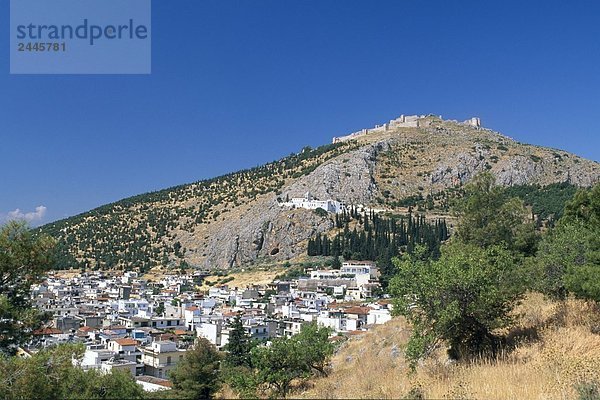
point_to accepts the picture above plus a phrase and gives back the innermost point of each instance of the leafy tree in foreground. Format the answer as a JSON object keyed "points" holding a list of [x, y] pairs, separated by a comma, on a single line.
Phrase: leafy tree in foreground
{"points": [[459, 298], [50, 374], [277, 365], [197, 375], [23, 260]]}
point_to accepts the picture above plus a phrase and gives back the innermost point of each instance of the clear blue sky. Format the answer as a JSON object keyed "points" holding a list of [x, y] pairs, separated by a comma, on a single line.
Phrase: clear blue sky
{"points": [[237, 83]]}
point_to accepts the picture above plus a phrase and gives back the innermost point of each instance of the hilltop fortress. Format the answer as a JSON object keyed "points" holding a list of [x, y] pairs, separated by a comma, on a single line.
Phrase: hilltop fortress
{"points": [[404, 121]]}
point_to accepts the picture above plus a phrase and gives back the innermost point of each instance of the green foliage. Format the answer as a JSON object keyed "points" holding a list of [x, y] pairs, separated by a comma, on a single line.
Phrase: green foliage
{"points": [[291, 273], [489, 217], [239, 346], [459, 298], [547, 202], [588, 391], [50, 374], [380, 239], [569, 256], [585, 206], [561, 249], [275, 366], [321, 212], [140, 231], [336, 263], [23, 260], [197, 375], [415, 393]]}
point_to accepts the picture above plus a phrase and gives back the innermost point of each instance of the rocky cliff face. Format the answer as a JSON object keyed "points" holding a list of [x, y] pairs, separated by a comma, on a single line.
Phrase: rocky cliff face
{"points": [[377, 170]]}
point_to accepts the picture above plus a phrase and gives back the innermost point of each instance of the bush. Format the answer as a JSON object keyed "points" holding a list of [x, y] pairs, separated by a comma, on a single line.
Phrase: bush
{"points": [[321, 212], [588, 391], [273, 368], [459, 298]]}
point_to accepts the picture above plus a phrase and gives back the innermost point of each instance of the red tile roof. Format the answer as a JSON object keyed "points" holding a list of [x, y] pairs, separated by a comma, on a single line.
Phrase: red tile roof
{"points": [[48, 331], [126, 342], [357, 310]]}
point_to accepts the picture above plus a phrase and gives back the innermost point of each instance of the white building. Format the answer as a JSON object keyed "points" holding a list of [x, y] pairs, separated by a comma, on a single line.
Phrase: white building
{"points": [[310, 203], [133, 307], [376, 317], [161, 357]]}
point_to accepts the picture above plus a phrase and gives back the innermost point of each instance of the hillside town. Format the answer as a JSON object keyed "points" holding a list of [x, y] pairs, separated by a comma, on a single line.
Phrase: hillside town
{"points": [[145, 328]]}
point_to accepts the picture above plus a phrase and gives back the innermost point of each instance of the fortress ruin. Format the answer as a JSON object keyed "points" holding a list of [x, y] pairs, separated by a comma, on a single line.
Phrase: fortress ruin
{"points": [[404, 121]]}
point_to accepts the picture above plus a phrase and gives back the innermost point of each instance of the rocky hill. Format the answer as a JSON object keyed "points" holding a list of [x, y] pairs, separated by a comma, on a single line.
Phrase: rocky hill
{"points": [[237, 219]]}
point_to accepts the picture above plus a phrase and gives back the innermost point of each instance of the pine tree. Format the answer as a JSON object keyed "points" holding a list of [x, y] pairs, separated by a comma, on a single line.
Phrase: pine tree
{"points": [[239, 345]]}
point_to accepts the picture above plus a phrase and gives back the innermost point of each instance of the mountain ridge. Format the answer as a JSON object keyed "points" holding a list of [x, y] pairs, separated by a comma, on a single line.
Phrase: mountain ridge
{"points": [[237, 219]]}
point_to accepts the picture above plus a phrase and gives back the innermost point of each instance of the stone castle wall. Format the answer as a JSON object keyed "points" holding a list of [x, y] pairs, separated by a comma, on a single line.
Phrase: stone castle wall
{"points": [[404, 121]]}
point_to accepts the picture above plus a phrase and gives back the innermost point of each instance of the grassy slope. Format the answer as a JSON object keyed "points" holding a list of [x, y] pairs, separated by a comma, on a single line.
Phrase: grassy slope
{"points": [[555, 350]]}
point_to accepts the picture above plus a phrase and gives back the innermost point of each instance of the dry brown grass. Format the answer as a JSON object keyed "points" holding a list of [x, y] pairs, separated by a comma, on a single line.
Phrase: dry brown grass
{"points": [[67, 274], [552, 348], [247, 278]]}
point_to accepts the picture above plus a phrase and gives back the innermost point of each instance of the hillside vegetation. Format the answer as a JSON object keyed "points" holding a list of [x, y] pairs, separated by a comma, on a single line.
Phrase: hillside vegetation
{"points": [[503, 312], [555, 354], [235, 220]]}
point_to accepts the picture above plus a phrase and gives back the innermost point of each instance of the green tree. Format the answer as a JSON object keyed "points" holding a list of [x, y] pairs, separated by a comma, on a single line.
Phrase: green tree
{"points": [[488, 217], [336, 263], [197, 375], [321, 212], [160, 310], [562, 249], [23, 260], [459, 298], [237, 367], [239, 346], [50, 374], [569, 256], [317, 347], [287, 359]]}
